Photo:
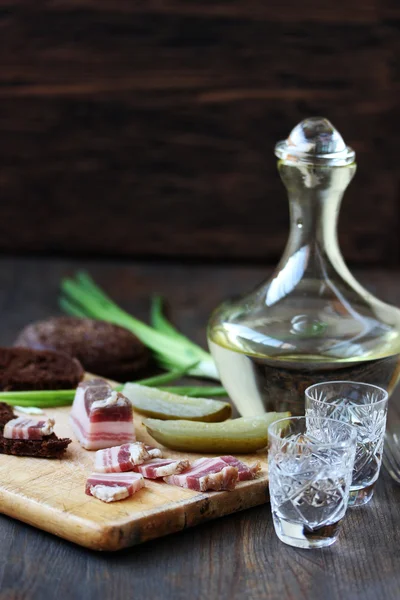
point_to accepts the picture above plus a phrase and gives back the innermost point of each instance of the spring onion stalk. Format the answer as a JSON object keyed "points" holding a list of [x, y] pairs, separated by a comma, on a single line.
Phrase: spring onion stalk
{"points": [[71, 309], [160, 323], [82, 297], [54, 398], [39, 399], [158, 380], [195, 392]]}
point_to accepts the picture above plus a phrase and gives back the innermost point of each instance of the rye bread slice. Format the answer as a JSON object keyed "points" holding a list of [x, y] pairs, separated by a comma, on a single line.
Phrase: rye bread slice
{"points": [[102, 348], [49, 447], [26, 369]]}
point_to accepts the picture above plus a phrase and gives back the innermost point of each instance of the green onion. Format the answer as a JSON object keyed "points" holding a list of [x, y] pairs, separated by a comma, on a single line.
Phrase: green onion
{"points": [[160, 323], [195, 392], [158, 380], [82, 297], [39, 399], [54, 398]]}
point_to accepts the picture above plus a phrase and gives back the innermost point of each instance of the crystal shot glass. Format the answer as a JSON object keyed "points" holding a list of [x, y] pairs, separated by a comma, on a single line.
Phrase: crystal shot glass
{"points": [[310, 464], [364, 406]]}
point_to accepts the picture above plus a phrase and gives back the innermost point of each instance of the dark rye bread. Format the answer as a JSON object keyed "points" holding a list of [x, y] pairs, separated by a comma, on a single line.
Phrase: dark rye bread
{"points": [[102, 348], [49, 447], [26, 369]]}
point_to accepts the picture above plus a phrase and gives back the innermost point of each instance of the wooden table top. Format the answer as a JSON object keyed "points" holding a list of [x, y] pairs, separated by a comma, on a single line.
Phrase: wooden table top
{"points": [[228, 559]]}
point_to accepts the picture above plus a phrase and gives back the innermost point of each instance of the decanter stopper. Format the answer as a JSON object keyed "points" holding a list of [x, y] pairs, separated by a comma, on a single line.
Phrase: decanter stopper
{"points": [[315, 141]]}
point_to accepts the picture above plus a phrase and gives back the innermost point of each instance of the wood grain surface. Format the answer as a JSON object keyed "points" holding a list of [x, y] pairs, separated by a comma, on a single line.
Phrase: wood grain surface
{"points": [[147, 129], [232, 558], [50, 494]]}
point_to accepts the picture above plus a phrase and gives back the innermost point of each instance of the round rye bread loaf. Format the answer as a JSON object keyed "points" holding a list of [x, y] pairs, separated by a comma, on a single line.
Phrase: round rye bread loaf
{"points": [[26, 369], [102, 348]]}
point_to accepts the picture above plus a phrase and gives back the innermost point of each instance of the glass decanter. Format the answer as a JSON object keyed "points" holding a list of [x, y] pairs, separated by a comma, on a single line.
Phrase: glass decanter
{"points": [[311, 321]]}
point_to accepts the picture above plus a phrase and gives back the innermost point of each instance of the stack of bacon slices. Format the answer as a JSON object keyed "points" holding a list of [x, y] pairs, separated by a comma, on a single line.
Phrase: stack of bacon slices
{"points": [[101, 417], [120, 472]]}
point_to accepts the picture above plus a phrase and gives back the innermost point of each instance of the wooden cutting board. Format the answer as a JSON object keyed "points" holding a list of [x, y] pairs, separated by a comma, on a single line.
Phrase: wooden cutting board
{"points": [[50, 495]]}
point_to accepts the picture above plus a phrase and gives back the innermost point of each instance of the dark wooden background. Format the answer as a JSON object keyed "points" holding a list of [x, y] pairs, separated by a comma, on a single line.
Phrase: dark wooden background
{"points": [[144, 129]]}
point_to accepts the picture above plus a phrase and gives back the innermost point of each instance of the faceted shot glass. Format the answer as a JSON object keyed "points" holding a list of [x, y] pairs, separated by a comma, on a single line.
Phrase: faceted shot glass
{"points": [[310, 464], [363, 406]]}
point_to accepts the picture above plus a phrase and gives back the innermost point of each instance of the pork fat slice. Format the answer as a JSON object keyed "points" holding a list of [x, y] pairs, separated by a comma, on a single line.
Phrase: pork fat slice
{"points": [[154, 452], [244, 471], [161, 467], [28, 429], [110, 487], [120, 458], [101, 417], [207, 474]]}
